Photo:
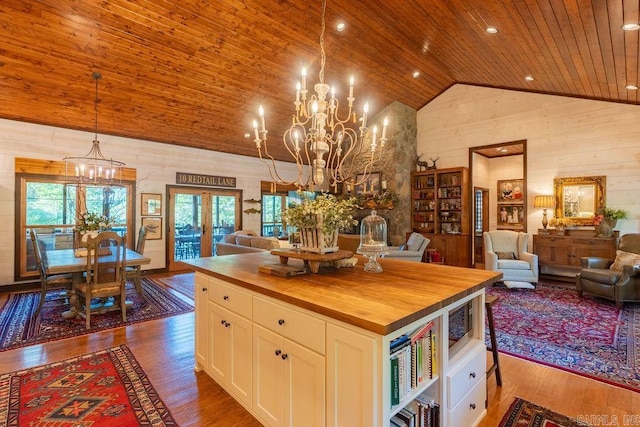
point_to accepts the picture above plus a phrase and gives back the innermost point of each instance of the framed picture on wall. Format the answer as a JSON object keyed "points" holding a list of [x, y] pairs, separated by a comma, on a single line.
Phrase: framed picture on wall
{"points": [[511, 217], [154, 227], [371, 186], [511, 191], [151, 204]]}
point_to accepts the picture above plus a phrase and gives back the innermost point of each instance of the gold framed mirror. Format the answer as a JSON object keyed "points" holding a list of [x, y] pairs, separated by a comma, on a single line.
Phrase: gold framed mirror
{"points": [[579, 198]]}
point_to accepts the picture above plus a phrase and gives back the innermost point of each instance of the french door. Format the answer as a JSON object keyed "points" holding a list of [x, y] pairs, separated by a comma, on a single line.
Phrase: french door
{"points": [[198, 218]]}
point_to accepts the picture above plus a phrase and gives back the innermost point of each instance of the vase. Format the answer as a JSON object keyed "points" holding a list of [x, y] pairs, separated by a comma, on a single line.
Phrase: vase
{"points": [[82, 241], [313, 239], [605, 228]]}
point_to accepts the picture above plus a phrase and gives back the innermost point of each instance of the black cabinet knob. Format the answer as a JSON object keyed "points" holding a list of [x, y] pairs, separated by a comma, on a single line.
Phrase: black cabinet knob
{"points": [[472, 374], [227, 324], [284, 356], [222, 322], [226, 298], [204, 289], [472, 406], [281, 322], [278, 352]]}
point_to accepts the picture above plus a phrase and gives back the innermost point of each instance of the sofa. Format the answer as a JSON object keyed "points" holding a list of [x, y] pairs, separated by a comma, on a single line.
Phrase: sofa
{"points": [[245, 241]]}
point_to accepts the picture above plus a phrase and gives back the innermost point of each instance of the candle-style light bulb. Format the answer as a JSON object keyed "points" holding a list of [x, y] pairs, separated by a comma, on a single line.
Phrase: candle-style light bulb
{"points": [[255, 128], [373, 139], [385, 122], [298, 87], [261, 113], [351, 81], [303, 72]]}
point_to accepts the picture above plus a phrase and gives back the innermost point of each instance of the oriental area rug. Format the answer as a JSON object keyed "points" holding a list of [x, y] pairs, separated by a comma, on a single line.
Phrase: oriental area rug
{"points": [[588, 336], [105, 388], [19, 327], [526, 414]]}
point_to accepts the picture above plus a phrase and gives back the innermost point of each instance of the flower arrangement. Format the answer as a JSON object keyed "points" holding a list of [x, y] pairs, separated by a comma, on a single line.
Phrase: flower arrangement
{"points": [[89, 221], [609, 215], [561, 222], [335, 212]]}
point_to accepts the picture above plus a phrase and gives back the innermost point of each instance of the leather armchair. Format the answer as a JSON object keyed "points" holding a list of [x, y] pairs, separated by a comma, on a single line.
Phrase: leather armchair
{"points": [[506, 252], [620, 285], [416, 245]]}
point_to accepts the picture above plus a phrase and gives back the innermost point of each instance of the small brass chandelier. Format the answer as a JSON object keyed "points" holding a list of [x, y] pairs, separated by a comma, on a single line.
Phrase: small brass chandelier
{"points": [[319, 140], [93, 168]]}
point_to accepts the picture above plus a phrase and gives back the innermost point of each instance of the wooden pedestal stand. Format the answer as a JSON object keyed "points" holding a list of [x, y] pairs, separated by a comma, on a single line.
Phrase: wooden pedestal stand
{"points": [[311, 259]]}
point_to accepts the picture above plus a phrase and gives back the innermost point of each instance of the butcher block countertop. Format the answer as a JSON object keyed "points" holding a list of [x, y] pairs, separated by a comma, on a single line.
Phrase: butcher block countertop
{"points": [[378, 302]]}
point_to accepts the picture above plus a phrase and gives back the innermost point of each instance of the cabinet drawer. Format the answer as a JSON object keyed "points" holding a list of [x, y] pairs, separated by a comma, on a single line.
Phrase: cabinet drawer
{"points": [[295, 325], [470, 408], [466, 374], [230, 297]]}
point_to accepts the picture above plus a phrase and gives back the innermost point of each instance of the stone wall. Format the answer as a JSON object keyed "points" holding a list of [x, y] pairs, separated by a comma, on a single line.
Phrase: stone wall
{"points": [[398, 161]]}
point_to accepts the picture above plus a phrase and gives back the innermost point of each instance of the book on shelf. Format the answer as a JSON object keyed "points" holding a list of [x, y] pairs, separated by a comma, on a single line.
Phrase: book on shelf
{"points": [[411, 361], [395, 381]]}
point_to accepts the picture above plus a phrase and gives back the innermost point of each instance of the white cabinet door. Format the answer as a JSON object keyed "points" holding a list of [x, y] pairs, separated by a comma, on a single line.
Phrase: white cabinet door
{"points": [[353, 379], [231, 351], [268, 378], [219, 342], [240, 357], [304, 386], [201, 324]]}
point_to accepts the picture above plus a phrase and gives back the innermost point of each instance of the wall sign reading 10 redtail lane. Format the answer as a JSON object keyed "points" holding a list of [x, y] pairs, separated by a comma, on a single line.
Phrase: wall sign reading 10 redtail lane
{"points": [[206, 180]]}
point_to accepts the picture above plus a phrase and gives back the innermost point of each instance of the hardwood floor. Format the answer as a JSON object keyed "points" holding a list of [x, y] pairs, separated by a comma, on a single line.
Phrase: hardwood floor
{"points": [[164, 349]]}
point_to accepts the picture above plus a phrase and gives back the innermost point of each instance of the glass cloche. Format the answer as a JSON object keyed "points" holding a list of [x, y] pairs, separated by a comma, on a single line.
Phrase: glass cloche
{"points": [[373, 240]]}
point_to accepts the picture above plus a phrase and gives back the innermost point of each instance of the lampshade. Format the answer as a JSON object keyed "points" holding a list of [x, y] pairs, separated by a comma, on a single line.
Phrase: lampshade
{"points": [[543, 201]]}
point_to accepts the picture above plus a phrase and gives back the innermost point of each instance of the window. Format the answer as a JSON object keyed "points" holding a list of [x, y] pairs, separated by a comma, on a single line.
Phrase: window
{"points": [[272, 206], [50, 205]]}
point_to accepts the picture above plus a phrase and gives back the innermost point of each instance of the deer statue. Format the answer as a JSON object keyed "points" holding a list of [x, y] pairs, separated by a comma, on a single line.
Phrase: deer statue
{"points": [[422, 164], [433, 165]]}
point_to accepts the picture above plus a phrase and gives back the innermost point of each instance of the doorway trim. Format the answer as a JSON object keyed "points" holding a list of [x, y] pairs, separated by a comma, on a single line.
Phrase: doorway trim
{"points": [[513, 149]]}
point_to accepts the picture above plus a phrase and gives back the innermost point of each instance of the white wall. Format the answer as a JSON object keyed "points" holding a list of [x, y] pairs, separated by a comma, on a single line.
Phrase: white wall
{"points": [[566, 137], [156, 166]]}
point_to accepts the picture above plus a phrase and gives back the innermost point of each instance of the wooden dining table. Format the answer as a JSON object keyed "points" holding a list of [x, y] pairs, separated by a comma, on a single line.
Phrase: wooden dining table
{"points": [[65, 261]]}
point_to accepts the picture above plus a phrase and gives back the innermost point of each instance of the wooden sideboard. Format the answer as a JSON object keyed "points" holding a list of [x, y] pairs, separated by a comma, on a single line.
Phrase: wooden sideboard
{"points": [[560, 255]]}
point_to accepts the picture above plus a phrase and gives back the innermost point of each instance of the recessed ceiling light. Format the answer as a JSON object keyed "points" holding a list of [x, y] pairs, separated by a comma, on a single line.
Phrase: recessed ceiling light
{"points": [[529, 78], [341, 26], [632, 87], [247, 135], [491, 30], [416, 74], [631, 27]]}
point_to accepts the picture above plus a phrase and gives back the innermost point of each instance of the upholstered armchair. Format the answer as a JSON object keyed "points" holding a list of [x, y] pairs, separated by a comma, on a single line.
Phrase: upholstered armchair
{"points": [[415, 247], [506, 252], [617, 280]]}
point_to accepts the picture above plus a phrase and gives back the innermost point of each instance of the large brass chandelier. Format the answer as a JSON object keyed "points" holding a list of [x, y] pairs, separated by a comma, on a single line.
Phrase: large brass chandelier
{"points": [[320, 140], [93, 168]]}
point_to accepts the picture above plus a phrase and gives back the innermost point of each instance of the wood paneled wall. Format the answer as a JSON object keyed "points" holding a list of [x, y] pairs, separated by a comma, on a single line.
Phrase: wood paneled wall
{"points": [[566, 137]]}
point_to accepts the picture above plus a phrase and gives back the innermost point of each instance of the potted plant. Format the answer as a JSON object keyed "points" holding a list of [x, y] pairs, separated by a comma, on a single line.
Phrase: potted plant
{"points": [[90, 224], [319, 220], [606, 219]]}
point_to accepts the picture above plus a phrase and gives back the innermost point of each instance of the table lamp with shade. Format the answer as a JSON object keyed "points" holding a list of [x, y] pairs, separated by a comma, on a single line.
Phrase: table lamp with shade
{"points": [[545, 202]]}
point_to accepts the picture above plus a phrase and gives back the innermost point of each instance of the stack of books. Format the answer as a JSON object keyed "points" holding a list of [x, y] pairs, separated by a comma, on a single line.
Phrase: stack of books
{"points": [[421, 412], [412, 361]]}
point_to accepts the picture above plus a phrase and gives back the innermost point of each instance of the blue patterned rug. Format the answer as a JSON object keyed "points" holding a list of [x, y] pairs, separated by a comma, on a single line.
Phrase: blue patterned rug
{"points": [[587, 336], [19, 327]]}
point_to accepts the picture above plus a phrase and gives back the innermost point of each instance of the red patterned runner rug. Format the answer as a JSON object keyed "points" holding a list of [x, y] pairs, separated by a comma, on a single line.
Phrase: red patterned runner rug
{"points": [[19, 327], [526, 414], [588, 336], [105, 388]]}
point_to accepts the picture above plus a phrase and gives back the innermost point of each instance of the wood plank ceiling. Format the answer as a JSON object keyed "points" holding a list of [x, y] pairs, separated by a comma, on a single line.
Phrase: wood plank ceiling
{"points": [[192, 72]]}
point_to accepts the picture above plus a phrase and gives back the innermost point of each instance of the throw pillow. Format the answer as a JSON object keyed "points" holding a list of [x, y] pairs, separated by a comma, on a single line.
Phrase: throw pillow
{"points": [[624, 258], [243, 240], [229, 238], [506, 255]]}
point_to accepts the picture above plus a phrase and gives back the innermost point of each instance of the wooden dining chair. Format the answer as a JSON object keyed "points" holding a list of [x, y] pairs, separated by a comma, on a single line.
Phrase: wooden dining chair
{"points": [[134, 272], [104, 280], [47, 282]]}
